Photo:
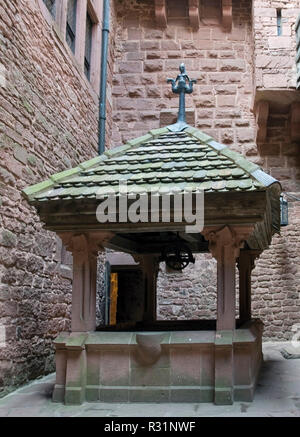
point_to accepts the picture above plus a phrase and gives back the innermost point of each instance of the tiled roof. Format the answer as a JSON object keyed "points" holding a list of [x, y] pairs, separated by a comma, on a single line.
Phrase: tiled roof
{"points": [[188, 160]]}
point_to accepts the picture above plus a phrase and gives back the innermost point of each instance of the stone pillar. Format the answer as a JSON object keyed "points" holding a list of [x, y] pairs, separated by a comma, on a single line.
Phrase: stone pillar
{"points": [[84, 248], [150, 270], [245, 265], [224, 245], [70, 348]]}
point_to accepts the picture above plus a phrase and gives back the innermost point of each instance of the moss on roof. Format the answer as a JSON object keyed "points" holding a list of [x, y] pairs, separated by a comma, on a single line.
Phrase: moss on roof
{"points": [[188, 160]]}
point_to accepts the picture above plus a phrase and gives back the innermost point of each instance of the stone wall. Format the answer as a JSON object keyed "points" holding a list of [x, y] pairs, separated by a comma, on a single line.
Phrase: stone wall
{"points": [[220, 61], [222, 105], [275, 65], [48, 123]]}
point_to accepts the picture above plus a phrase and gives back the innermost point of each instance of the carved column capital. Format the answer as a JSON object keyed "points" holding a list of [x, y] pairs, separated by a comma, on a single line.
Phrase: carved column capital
{"points": [[84, 247], [92, 242], [232, 237]]}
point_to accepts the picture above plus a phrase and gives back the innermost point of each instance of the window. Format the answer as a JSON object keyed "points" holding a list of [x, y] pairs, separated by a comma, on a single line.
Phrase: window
{"points": [[88, 46], [51, 6], [71, 24], [279, 22]]}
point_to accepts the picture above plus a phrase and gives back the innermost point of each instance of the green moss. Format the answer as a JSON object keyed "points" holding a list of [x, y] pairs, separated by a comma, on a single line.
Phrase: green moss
{"points": [[34, 189], [27, 105], [8, 239], [160, 131], [31, 159]]}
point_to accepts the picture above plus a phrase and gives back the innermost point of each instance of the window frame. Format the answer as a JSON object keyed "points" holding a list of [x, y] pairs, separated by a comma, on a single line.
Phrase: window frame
{"points": [[93, 8]]}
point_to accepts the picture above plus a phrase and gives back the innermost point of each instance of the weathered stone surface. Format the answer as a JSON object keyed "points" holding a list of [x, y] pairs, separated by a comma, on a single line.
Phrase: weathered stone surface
{"points": [[49, 122]]}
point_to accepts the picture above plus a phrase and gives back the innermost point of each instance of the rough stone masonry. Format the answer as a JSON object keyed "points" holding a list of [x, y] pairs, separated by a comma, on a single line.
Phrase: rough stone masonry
{"points": [[49, 123]]}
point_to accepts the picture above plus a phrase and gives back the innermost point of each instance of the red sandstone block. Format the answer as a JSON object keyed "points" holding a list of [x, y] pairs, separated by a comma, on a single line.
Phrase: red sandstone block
{"points": [[265, 12], [130, 67], [218, 78], [193, 54], [223, 45], [135, 56], [118, 91], [169, 45], [130, 79], [147, 79], [251, 150], [153, 92], [223, 123], [228, 113], [275, 80], [204, 113], [184, 33], [236, 78], [237, 34], [218, 33], [128, 117], [232, 65], [227, 54], [223, 100], [205, 101], [208, 65], [205, 123], [150, 45], [189, 45], [245, 135], [136, 92], [202, 33], [175, 54], [130, 46], [171, 64], [213, 54], [227, 136], [226, 89], [153, 55], [152, 66], [134, 34], [273, 61], [125, 103], [145, 104], [153, 33], [149, 115], [280, 42]]}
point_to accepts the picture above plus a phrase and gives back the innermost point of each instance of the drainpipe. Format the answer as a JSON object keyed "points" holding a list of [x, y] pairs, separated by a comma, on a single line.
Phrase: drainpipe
{"points": [[103, 79]]}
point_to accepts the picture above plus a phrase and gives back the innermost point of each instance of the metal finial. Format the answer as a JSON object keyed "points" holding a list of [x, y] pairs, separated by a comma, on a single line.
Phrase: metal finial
{"points": [[184, 86]]}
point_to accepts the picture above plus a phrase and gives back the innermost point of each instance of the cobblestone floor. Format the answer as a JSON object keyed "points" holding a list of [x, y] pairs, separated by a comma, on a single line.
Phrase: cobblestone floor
{"points": [[277, 395]]}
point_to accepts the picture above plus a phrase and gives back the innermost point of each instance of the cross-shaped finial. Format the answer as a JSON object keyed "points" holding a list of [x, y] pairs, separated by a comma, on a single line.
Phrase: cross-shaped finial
{"points": [[184, 86]]}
